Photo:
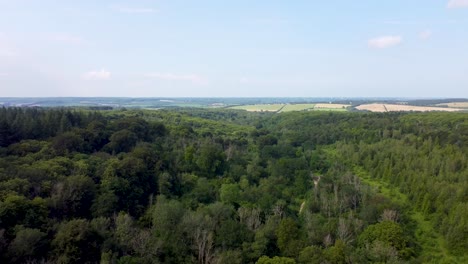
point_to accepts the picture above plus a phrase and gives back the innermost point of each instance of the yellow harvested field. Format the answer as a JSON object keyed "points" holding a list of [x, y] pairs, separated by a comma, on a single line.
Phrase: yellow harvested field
{"points": [[380, 108], [455, 105], [260, 107], [330, 109], [402, 108], [331, 106]]}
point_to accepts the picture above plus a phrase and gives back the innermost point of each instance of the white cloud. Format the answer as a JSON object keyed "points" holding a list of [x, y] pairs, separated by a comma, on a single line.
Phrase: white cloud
{"points": [[97, 75], [135, 10], [244, 80], [385, 42], [457, 3], [426, 34], [193, 78]]}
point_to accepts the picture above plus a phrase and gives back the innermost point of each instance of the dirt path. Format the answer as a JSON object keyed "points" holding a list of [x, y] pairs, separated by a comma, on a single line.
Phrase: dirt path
{"points": [[316, 180]]}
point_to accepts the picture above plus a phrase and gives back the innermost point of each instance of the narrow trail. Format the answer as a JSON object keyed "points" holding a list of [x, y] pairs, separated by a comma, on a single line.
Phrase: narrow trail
{"points": [[316, 180], [302, 207]]}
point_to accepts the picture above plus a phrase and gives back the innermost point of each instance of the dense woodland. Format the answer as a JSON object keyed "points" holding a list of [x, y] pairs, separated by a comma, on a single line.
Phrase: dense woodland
{"points": [[221, 186]]}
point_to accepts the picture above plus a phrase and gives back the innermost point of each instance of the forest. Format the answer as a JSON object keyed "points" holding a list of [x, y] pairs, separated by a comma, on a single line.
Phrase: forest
{"points": [[213, 186]]}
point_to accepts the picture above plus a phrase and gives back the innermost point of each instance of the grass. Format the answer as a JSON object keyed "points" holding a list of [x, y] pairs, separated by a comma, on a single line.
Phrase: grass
{"points": [[297, 107], [432, 243]]}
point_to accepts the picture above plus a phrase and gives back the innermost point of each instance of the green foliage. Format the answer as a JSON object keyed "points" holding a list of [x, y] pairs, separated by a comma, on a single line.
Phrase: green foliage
{"points": [[74, 196], [28, 244], [18, 210], [76, 242], [122, 141], [389, 233], [311, 255], [275, 260], [336, 253], [230, 193], [211, 159], [289, 238], [231, 257], [231, 234], [67, 142], [205, 186], [166, 213]]}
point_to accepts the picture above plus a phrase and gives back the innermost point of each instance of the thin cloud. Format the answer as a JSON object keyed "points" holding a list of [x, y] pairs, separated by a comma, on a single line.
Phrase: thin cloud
{"points": [[97, 75], [135, 10], [244, 80], [421, 22], [6, 52], [457, 4], [270, 21], [402, 22], [426, 34], [193, 78], [68, 39], [6, 48], [385, 42]]}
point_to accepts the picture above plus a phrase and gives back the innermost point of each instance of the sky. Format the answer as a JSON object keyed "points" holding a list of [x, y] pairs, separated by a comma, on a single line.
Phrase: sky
{"points": [[234, 48]]}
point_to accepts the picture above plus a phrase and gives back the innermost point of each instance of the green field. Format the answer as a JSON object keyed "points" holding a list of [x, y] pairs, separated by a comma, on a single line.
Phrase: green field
{"points": [[297, 107], [260, 107], [280, 108]]}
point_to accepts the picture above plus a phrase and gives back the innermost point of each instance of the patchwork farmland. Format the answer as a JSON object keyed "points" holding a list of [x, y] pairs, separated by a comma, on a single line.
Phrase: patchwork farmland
{"points": [[280, 108], [382, 108], [454, 105]]}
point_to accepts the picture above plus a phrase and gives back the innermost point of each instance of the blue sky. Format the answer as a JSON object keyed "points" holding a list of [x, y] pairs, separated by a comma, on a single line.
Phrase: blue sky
{"points": [[207, 48]]}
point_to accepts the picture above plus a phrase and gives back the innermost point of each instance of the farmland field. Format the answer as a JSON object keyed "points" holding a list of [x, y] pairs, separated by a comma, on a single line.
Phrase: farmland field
{"points": [[260, 107], [280, 108], [297, 107], [455, 105], [402, 108], [330, 109], [331, 106]]}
